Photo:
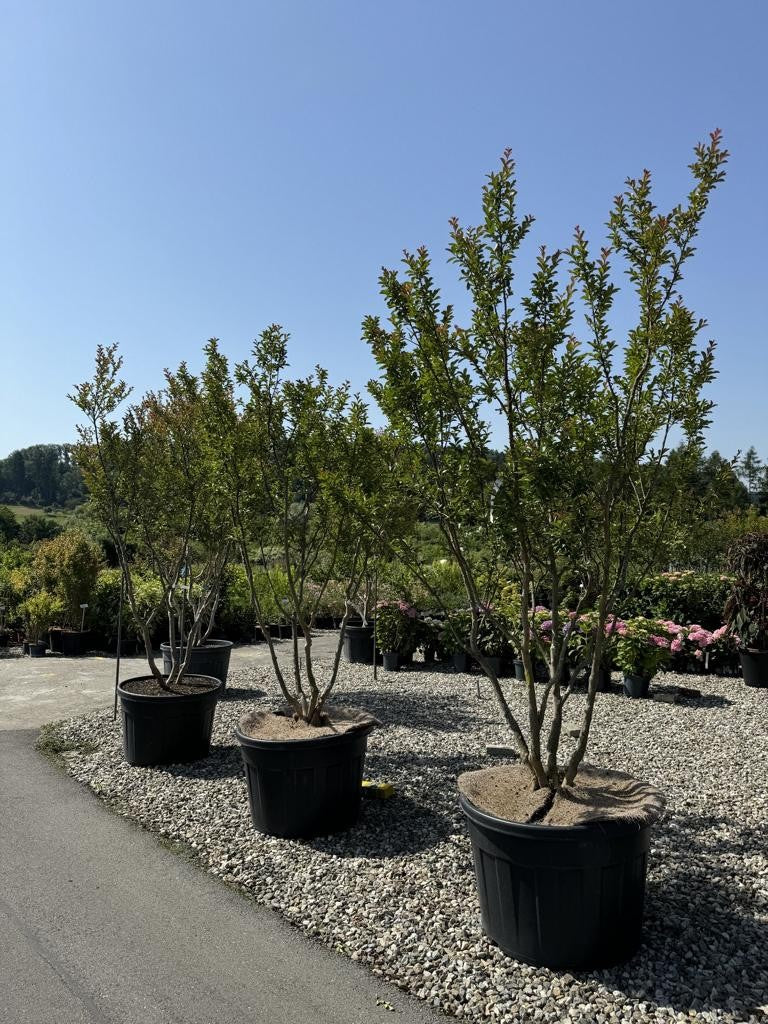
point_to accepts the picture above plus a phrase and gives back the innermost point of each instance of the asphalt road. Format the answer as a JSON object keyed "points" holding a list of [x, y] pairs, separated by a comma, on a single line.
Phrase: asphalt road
{"points": [[99, 924]]}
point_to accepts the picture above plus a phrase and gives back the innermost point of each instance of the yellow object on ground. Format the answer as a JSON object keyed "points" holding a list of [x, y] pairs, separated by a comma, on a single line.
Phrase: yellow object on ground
{"points": [[378, 790]]}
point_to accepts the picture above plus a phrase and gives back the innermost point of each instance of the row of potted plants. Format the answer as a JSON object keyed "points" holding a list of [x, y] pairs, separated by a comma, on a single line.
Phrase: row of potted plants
{"points": [[254, 462]]}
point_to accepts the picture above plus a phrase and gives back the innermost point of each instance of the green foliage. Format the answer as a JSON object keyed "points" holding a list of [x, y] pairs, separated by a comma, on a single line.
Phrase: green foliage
{"points": [[44, 474], [397, 627], [578, 493], [642, 647], [67, 566], [685, 597], [747, 608], [155, 487], [40, 611]]}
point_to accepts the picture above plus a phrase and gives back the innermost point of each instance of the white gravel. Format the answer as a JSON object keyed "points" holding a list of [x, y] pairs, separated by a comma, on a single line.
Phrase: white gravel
{"points": [[397, 892]]}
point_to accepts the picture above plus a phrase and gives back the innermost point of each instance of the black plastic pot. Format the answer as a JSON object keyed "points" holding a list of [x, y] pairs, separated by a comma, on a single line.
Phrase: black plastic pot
{"points": [[54, 639], [358, 644], [210, 658], [460, 660], [540, 673], [74, 643], [494, 663], [560, 897], [304, 788], [754, 667], [25, 647], [324, 622], [37, 649], [390, 660], [167, 728], [636, 686], [4, 638]]}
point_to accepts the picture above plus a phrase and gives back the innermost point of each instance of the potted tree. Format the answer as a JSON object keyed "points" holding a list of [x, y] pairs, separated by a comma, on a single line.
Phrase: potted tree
{"points": [[38, 611], [575, 495], [301, 471], [153, 481], [397, 631], [68, 565], [747, 608]]}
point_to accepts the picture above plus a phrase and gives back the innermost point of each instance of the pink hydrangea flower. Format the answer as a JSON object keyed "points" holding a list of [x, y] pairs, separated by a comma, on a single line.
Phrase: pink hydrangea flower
{"points": [[676, 646], [660, 641]]}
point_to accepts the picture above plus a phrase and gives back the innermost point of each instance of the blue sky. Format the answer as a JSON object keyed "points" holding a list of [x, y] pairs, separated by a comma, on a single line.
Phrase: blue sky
{"points": [[175, 171]]}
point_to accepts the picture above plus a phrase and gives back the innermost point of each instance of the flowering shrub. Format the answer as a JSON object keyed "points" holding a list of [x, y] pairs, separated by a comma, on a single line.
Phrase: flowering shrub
{"points": [[492, 633], [642, 646], [747, 607], [681, 596], [397, 627]]}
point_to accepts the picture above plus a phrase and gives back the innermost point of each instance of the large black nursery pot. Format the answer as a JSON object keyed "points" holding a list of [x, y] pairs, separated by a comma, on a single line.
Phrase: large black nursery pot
{"points": [[74, 642], [358, 643], [540, 671], [636, 686], [754, 667], [302, 788], [210, 658], [167, 728], [560, 896], [36, 648], [54, 639]]}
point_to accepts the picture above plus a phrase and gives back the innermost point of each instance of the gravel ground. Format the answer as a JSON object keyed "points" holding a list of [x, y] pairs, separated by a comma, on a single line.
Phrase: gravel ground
{"points": [[397, 893]]}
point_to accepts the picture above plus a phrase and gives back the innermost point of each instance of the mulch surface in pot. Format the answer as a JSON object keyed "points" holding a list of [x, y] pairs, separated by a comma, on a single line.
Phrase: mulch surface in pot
{"points": [[283, 725], [508, 792], [148, 686]]}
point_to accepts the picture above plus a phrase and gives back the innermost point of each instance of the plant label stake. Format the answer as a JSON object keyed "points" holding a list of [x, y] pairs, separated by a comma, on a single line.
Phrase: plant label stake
{"points": [[82, 617]]}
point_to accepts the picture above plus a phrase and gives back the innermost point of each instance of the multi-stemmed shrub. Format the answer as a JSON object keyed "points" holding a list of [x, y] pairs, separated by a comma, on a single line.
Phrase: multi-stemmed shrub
{"points": [[587, 424], [747, 607]]}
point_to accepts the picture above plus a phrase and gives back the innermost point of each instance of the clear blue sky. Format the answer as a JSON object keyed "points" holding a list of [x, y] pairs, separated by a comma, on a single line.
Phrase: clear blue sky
{"points": [[174, 171]]}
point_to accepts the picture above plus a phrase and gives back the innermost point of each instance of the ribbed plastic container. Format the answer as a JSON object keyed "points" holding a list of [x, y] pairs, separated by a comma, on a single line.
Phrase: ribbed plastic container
{"points": [[358, 644], [74, 643], [168, 728], [754, 667], [304, 788], [560, 897], [636, 686], [208, 659]]}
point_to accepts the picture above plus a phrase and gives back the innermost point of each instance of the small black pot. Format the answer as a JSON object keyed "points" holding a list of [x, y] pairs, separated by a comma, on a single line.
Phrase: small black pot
{"points": [[636, 686], [358, 644], [4, 639], [560, 897], [460, 661], [74, 643], [25, 647], [36, 649], [167, 728], [540, 673], [754, 667], [494, 663], [390, 660], [304, 788], [210, 658]]}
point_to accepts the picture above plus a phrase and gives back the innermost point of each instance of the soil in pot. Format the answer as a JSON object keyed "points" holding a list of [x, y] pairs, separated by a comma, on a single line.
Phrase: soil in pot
{"points": [[304, 780], [561, 882], [210, 658], [754, 667], [168, 726]]}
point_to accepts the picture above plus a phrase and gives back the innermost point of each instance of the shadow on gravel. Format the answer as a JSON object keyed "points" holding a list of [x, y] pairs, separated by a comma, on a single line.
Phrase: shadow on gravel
{"points": [[435, 712], [235, 693], [388, 829], [223, 762], [704, 945]]}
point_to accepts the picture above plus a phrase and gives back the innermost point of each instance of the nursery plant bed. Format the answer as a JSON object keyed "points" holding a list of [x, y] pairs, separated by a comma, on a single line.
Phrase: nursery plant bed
{"points": [[162, 727], [398, 889]]}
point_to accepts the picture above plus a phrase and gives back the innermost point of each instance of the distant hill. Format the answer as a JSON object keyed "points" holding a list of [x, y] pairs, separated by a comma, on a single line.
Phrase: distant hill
{"points": [[41, 476]]}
